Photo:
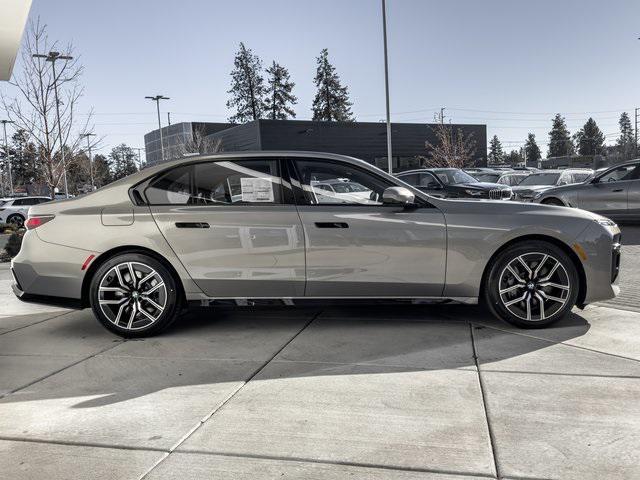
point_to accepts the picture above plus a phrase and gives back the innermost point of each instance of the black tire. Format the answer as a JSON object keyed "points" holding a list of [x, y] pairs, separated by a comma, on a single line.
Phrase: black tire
{"points": [[16, 219], [165, 296], [553, 201], [538, 310]]}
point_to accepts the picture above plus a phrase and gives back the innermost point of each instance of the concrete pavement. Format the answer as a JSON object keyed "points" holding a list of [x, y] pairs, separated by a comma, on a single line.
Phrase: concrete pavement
{"points": [[397, 392]]}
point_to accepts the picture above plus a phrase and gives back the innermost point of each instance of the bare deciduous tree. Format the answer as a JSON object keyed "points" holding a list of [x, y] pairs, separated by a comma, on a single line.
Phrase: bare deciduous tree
{"points": [[451, 149], [33, 109], [200, 143]]}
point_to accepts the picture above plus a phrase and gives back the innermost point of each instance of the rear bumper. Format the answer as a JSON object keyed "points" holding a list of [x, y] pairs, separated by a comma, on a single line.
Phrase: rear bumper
{"points": [[47, 271], [43, 299]]}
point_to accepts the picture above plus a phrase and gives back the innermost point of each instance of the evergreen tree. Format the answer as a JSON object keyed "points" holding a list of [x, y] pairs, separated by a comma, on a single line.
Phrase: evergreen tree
{"points": [[331, 102], [560, 143], [247, 87], [590, 139], [123, 161], [626, 141], [279, 100], [496, 154], [24, 160], [101, 171], [532, 151], [514, 157]]}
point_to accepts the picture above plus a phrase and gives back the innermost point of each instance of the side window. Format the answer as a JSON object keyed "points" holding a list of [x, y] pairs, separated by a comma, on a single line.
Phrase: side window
{"points": [[427, 180], [626, 172], [410, 178], [172, 188], [351, 185], [237, 182]]}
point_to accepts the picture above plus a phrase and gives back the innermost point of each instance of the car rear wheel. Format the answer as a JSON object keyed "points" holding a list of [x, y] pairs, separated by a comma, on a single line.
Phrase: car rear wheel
{"points": [[532, 284], [134, 295], [16, 219]]}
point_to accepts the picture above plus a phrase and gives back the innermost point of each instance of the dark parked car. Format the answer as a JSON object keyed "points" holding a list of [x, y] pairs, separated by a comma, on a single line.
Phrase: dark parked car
{"points": [[453, 183], [614, 193]]}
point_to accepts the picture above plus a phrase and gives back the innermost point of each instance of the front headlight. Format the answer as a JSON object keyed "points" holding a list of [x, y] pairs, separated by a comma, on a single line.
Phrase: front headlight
{"points": [[474, 193], [605, 222]]}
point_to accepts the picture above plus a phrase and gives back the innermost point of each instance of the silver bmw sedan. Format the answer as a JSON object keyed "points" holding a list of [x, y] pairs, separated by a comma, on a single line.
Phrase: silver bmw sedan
{"points": [[265, 226]]}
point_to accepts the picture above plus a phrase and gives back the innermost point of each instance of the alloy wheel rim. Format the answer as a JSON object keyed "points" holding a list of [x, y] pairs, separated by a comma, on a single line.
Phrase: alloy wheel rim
{"points": [[534, 286], [132, 295]]}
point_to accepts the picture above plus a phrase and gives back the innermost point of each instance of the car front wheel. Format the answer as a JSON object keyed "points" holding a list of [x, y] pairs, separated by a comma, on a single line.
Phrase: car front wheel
{"points": [[134, 295], [532, 284]]}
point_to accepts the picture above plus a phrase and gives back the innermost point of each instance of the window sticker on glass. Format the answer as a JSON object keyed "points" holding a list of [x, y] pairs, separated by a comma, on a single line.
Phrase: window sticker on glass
{"points": [[256, 190]]}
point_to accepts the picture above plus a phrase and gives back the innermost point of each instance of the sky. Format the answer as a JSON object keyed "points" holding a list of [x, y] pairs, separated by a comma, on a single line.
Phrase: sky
{"points": [[506, 63]]}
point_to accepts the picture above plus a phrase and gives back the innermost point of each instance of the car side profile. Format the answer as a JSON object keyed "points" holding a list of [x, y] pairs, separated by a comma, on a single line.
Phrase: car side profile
{"points": [[538, 182], [253, 226], [614, 193], [14, 210]]}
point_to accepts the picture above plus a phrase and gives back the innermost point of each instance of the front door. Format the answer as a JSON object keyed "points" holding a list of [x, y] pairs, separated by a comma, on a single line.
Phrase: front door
{"points": [[608, 195], [358, 247], [233, 226]]}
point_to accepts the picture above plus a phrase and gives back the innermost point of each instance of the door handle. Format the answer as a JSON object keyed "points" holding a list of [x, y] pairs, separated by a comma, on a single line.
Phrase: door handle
{"points": [[192, 225], [617, 190], [332, 225]]}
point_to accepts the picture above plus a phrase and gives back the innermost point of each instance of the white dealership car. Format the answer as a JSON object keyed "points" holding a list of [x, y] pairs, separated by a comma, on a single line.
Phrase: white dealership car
{"points": [[15, 210]]}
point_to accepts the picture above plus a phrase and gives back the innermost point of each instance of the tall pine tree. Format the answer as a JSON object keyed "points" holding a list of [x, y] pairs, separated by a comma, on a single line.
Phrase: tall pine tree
{"points": [[590, 139], [101, 170], [279, 100], [247, 87], [123, 161], [532, 151], [560, 143], [496, 154], [331, 102], [626, 141]]}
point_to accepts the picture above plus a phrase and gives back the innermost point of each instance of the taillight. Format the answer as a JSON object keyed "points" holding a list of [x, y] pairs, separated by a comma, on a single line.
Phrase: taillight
{"points": [[35, 222]]}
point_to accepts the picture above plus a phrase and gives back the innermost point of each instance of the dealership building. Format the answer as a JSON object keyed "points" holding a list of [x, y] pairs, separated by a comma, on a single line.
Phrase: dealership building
{"points": [[365, 140]]}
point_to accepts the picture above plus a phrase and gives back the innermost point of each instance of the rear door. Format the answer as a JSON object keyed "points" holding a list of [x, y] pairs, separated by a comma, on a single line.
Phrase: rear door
{"points": [[234, 227], [358, 247]]}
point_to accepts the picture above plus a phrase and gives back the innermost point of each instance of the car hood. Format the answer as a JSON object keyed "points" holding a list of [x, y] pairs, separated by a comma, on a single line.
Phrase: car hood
{"points": [[530, 189], [480, 186]]}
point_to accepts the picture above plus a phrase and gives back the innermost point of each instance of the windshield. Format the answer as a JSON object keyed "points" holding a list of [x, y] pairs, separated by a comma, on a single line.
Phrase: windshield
{"points": [[454, 177], [487, 177], [541, 179]]}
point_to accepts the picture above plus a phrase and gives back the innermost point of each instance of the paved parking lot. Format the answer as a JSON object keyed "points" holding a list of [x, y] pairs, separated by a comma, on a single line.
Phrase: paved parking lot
{"points": [[398, 392]]}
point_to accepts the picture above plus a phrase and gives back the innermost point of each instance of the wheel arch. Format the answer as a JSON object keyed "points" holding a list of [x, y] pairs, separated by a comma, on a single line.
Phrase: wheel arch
{"points": [[105, 256], [582, 287], [550, 200]]}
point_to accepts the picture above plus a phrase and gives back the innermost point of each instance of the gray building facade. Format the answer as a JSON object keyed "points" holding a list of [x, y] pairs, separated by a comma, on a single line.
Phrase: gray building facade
{"points": [[365, 140]]}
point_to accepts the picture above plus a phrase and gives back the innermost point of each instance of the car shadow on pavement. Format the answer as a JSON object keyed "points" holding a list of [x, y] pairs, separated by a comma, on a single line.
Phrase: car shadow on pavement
{"points": [[630, 233], [225, 345]]}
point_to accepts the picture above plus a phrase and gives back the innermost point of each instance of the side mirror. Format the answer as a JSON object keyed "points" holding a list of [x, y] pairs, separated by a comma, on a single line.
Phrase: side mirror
{"points": [[398, 196]]}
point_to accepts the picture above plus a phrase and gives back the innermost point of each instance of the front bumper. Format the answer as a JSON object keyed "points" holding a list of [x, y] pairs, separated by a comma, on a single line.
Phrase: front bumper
{"points": [[602, 264]]}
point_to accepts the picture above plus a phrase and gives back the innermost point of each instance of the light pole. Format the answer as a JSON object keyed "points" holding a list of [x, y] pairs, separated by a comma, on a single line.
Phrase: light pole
{"points": [[52, 57], [386, 87], [6, 153], [157, 99], [87, 135]]}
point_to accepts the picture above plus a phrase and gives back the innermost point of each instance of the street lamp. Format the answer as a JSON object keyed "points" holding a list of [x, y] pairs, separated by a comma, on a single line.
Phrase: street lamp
{"points": [[157, 99], [52, 57], [386, 87], [87, 135], [6, 152]]}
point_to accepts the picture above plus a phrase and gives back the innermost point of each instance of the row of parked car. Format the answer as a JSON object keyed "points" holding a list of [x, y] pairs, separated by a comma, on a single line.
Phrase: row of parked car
{"points": [[612, 191]]}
